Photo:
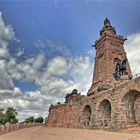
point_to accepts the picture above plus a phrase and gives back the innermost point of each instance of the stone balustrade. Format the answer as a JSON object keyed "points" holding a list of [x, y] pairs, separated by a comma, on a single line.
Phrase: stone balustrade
{"points": [[13, 127]]}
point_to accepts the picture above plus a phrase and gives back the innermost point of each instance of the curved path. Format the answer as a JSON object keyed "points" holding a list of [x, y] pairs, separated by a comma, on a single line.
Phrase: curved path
{"points": [[46, 133]]}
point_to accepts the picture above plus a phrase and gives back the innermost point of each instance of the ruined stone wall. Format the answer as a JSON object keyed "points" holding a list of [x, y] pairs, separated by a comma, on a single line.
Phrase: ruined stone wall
{"points": [[114, 108], [64, 115]]}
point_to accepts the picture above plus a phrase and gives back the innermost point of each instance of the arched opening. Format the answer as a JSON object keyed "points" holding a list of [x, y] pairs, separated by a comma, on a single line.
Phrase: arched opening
{"points": [[86, 115], [132, 107], [105, 112]]}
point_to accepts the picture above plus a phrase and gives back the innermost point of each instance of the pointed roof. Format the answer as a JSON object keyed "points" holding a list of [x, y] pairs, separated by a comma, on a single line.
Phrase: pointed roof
{"points": [[107, 28], [106, 21]]}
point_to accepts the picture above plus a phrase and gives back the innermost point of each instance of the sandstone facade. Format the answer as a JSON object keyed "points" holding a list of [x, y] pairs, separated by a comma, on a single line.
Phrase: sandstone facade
{"points": [[113, 100]]}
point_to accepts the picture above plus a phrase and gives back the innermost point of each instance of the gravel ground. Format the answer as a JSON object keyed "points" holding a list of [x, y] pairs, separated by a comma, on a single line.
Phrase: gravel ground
{"points": [[49, 133]]}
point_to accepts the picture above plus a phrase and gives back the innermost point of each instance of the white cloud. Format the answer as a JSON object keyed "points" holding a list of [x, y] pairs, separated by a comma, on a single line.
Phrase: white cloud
{"points": [[6, 34], [57, 66], [16, 92], [52, 87], [7, 88], [6, 31], [54, 77], [5, 79], [39, 61], [81, 72], [52, 47], [20, 53], [14, 69], [132, 46]]}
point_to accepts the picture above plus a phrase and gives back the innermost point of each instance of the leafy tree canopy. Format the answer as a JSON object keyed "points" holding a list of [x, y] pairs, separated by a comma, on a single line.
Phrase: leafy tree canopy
{"points": [[30, 120], [10, 115], [39, 120]]}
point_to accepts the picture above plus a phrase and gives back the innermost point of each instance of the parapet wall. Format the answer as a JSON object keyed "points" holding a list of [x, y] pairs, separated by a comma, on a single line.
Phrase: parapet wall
{"points": [[13, 127]]}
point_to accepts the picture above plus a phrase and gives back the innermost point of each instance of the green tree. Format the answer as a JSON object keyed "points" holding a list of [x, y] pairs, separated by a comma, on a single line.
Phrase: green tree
{"points": [[2, 116], [30, 120], [11, 115], [39, 120]]}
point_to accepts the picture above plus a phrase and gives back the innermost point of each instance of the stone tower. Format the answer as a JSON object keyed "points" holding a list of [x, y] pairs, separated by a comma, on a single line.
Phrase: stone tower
{"points": [[111, 64]]}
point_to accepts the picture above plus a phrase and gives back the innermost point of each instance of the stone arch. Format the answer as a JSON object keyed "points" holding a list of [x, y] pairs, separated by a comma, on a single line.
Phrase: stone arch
{"points": [[131, 108], [105, 112], [86, 116]]}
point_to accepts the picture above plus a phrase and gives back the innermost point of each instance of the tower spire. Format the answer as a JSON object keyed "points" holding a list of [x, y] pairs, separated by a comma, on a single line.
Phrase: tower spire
{"points": [[111, 64], [106, 22], [107, 28]]}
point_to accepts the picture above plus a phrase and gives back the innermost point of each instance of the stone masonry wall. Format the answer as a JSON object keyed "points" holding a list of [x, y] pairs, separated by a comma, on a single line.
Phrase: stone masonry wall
{"points": [[64, 115], [114, 100]]}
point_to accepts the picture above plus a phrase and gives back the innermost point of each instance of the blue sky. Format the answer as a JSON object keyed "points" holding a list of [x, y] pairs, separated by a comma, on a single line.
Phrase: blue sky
{"points": [[73, 23], [50, 50]]}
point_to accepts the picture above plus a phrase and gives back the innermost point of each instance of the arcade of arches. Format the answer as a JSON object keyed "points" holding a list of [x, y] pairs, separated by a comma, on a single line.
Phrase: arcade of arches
{"points": [[131, 111], [110, 110]]}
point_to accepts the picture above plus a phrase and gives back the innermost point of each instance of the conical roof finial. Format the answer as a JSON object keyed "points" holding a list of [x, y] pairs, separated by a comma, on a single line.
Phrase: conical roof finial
{"points": [[106, 21], [107, 28]]}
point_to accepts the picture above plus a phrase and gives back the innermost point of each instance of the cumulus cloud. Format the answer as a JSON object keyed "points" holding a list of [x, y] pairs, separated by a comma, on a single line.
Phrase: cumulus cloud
{"points": [[54, 77], [4, 94], [58, 63], [7, 88], [53, 48], [19, 53], [5, 79], [132, 46], [6, 34]]}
